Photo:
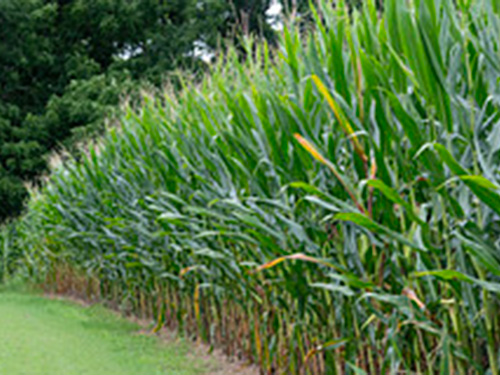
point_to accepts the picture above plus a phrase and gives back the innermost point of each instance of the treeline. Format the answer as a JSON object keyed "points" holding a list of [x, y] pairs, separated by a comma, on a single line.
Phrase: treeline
{"points": [[65, 65]]}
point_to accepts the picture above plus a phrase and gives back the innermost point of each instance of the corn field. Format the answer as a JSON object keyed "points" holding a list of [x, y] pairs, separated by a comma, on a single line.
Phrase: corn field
{"points": [[328, 207]]}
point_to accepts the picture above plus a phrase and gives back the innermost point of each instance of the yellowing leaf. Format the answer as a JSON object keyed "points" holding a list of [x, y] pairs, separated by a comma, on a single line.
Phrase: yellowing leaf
{"points": [[311, 149], [413, 296], [298, 256], [337, 111]]}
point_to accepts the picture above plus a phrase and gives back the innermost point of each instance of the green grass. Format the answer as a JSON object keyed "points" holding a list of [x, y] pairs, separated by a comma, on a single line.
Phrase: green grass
{"points": [[40, 337]]}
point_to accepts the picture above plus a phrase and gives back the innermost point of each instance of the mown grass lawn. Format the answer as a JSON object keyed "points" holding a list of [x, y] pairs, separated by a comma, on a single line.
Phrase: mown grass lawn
{"points": [[39, 336]]}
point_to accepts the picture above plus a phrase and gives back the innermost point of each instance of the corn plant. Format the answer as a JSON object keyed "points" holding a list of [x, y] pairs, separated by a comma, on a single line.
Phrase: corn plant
{"points": [[329, 207]]}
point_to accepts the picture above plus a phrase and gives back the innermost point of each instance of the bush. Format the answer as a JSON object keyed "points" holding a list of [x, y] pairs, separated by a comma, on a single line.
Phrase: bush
{"points": [[334, 211]]}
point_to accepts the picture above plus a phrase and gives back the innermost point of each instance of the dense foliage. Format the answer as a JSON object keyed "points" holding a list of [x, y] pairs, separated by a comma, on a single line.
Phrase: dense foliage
{"points": [[66, 64], [334, 211]]}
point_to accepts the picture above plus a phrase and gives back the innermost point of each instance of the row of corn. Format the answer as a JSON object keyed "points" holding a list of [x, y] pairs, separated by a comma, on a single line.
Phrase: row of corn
{"points": [[329, 206]]}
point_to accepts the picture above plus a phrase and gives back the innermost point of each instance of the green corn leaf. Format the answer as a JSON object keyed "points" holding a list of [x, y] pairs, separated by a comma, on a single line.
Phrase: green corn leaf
{"points": [[376, 228]]}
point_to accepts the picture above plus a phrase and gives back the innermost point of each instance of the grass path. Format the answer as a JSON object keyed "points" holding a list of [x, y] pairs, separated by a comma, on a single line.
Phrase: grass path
{"points": [[41, 337]]}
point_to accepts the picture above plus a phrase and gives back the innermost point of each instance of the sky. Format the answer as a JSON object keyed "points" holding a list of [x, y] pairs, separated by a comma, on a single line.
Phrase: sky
{"points": [[274, 13]]}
